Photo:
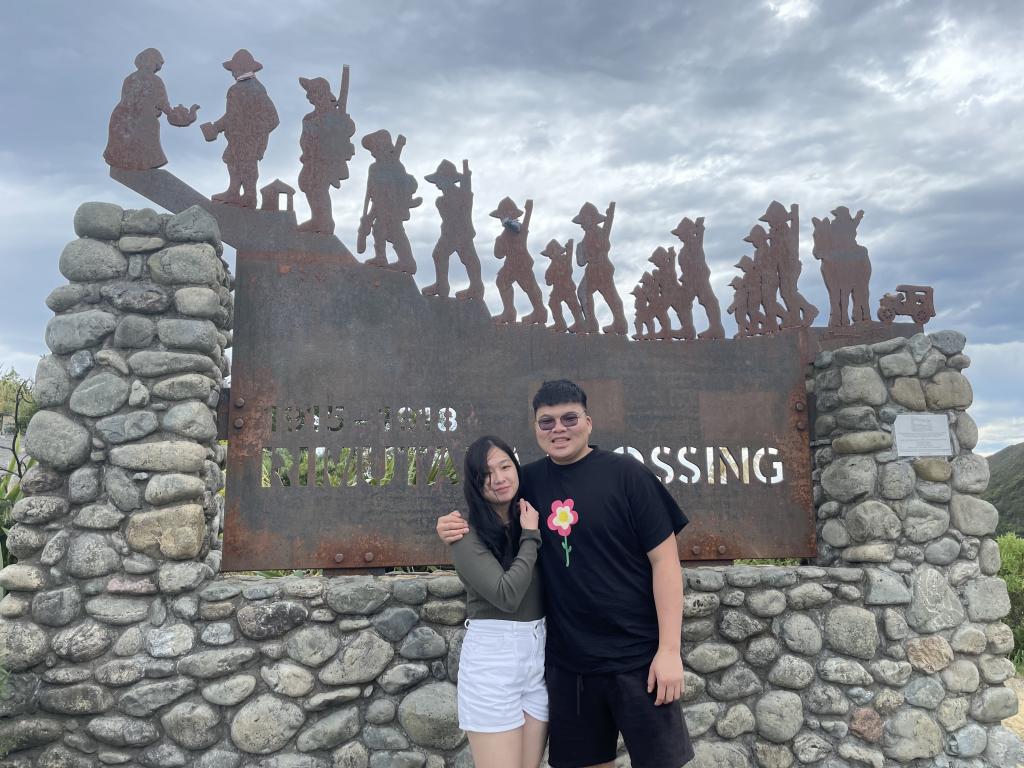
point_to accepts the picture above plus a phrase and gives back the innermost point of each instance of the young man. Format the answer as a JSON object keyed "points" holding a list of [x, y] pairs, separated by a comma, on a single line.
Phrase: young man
{"points": [[613, 591]]}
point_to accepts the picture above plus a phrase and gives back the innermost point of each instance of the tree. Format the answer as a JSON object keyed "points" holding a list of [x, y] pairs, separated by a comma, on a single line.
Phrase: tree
{"points": [[17, 406]]}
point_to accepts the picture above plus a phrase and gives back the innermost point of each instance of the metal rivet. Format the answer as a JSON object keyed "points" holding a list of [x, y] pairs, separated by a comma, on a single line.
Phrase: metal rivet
{"points": [[721, 549], [340, 557], [240, 402], [368, 557], [695, 550], [800, 406], [239, 423], [801, 425]]}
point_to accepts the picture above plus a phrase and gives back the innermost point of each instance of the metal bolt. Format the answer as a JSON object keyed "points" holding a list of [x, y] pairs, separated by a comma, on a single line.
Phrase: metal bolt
{"points": [[340, 557], [800, 406], [239, 423], [695, 549], [721, 549], [368, 557], [240, 402], [801, 425]]}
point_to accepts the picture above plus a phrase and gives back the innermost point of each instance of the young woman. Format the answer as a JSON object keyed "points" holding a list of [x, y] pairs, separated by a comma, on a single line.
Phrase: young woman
{"points": [[503, 704]]}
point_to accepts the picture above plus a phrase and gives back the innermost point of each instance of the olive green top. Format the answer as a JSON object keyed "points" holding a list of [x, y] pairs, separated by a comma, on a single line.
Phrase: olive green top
{"points": [[491, 591]]}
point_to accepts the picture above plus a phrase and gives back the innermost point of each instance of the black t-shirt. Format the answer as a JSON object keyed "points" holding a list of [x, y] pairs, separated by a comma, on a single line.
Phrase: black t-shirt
{"points": [[597, 580]]}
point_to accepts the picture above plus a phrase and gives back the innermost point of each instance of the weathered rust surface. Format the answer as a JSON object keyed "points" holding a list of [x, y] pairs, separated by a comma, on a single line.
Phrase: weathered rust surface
{"points": [[327, 354], [915, 301], [845, 266], [592, 253], [517, 264], [388, 202]]}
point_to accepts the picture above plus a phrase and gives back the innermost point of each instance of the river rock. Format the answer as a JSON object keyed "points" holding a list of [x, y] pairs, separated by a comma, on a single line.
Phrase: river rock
{"points": [[189, 264], [167, 456], [55, 440], [192, 420], [265, 724], [911, 735], [779, 715], [973, 516], [429, 715], [849, 477]]}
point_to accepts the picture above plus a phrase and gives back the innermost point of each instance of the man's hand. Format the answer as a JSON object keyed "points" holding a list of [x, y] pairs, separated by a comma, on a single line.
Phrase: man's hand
{"points": [[667, 673], [451, 527]]}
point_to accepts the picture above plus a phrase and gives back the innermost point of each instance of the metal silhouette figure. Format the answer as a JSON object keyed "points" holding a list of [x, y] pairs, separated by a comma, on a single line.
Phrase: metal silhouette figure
{"points": [[696, 279], [764, 268], [784, 242], [456, 208], [511, 246], [668, 293], [133, 141], [645, 307], [326, 144], [746, 303], [915, 301], [599, 274], [563, 287], [249, 117], [845, 267], [389, 198]]}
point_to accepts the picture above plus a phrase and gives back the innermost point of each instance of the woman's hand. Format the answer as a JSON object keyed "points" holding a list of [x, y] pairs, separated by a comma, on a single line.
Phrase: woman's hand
{"points": [[451, 527], [529, 518]]}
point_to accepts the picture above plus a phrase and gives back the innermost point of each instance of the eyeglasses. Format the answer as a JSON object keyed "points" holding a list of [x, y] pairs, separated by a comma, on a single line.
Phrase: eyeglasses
{"points": [[569, 420]]}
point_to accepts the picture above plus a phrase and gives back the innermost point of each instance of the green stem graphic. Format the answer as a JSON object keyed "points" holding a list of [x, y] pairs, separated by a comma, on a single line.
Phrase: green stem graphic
{"points": [[567, 548]]}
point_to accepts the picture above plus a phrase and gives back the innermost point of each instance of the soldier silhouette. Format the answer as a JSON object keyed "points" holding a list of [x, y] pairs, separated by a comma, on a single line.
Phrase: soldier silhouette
{"points": [[563, 288], [456, 208], [747, 299], [326, 144], [511, 246], [784, 241], [669, 293], [389, 198], [644, 306], [696, 279], [134, 132], [599, 275], [765, 267], [248, 119]]}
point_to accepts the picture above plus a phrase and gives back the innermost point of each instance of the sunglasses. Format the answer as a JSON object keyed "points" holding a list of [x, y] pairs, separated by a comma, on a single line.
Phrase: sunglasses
{"points": [[569, 420]]}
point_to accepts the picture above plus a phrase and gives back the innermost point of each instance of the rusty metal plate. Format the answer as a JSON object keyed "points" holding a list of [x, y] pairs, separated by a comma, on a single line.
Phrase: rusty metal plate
{"points": [[349, 370]]}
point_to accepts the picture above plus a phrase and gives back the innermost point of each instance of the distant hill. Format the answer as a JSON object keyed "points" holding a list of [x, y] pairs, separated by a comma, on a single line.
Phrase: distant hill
{"points": [[1006, 488]]}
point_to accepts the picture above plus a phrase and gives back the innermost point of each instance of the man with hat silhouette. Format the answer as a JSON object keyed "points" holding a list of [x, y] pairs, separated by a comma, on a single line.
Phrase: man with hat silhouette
{"points": [[511, 246], [599, 275], [456, 208], [326, 144], [696, 278], [746, 300], [766, 268], [784, 242], [563, 288], [248, 119], [389, 198], [669, 295]]}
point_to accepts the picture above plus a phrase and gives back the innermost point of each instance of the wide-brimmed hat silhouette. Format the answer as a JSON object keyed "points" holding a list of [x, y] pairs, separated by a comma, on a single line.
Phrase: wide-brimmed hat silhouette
{"points": [[736, 282], [241, 63], [552, 249], [685, 225], [757, 234], [378, 141], [588, 215], [776, 213], [659, 256], [446, 171], [506, 210], [841, 210], [746, 264], [316, 85]]}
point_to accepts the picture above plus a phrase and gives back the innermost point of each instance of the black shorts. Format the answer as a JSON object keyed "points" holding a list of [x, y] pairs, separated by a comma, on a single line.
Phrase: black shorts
{"points": [[588, 711]]}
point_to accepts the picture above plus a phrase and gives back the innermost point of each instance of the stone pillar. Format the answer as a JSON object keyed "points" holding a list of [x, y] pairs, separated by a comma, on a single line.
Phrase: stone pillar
{"points": [[922, 535], [121, 515]]}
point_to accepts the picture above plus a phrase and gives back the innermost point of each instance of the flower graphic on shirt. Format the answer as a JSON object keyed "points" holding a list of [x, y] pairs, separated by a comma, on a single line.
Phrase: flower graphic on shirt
{"points": [[561, 520]]}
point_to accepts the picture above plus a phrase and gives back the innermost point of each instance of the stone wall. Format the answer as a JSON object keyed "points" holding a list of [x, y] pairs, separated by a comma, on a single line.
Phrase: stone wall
{"points": [[125, 647]]}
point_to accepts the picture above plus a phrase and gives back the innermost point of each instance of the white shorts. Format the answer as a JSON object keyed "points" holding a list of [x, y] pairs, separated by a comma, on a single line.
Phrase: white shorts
{"points": [[501, 675]]}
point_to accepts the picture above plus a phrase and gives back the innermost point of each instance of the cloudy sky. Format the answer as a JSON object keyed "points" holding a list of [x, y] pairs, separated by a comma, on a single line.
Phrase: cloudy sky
{"points": [[912, 111]]}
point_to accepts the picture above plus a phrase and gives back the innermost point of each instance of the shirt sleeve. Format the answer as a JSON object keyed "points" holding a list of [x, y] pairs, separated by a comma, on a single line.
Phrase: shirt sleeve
{"points": [[479, 569], [655, 514]]}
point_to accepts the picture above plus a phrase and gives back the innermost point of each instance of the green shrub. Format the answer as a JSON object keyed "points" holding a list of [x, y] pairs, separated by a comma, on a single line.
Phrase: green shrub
{"points": [[1011, 551]]}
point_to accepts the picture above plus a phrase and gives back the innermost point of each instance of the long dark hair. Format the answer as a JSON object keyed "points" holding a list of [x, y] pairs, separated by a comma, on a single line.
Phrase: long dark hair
{"points": [[501, 540]]}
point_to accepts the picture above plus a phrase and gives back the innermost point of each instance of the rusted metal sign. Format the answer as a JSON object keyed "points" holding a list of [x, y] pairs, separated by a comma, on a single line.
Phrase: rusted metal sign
{"points": [[354, 397]]}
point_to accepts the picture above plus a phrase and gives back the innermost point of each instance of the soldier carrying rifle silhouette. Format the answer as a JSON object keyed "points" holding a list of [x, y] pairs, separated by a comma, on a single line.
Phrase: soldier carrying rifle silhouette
{"points": [[599, 275], [326, 144], [389, 198]]}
